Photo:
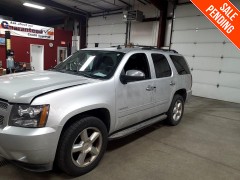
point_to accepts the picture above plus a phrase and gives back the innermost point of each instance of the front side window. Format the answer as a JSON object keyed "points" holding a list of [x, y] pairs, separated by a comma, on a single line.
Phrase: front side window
{"points": [[161, 66], [91, 63], [180, 64], [138, 62]]}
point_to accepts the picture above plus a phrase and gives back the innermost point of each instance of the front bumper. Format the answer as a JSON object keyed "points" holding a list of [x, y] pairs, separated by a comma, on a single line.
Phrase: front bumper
{"points": [[36, 147]]}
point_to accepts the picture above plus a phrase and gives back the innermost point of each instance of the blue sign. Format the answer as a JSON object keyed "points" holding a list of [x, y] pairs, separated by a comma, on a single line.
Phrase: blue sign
{"points": [[2, 41]]}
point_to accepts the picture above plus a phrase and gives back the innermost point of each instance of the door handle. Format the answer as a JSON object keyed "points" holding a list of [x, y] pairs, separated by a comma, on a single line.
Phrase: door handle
{"points": [[172, 83], [150, 88]]}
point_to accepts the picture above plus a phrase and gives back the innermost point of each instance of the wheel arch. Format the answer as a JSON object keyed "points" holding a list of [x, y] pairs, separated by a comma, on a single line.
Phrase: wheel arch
{"points": [[102, 113], [182, 92]]}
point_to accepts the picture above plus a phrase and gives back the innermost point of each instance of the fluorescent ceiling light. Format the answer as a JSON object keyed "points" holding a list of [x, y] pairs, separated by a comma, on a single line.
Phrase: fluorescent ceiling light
{"points": [[33, 5]]}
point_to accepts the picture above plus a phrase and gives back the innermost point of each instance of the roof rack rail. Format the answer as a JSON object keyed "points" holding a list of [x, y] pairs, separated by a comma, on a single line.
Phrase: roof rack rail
{"points": [[155, 48], [169, 50], [144, 47], [118, 46]]}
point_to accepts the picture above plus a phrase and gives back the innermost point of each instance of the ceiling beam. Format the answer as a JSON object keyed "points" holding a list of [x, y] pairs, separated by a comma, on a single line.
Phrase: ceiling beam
{"points": [[142, 2], [114, 4], [62, 8], [90, 5], [160, 4], [124, 2]]}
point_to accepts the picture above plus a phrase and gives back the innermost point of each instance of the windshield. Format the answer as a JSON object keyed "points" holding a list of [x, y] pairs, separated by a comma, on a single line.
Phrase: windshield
{"points": [[91, 63]]}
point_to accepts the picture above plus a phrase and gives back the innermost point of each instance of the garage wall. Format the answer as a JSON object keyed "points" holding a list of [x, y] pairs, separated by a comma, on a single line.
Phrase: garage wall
{"points": [[145, 33], [213, 59], [111, 30], [21, 48], [106, 30]]}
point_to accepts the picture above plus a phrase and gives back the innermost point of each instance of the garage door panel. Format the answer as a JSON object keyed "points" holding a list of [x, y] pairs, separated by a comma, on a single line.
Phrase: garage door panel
{"points": [[93, 39], [186, 10], [114, 38], [209, 50], [205, 90], [210, 35], [184, 49], [144, 33], [186, 23], [230, 80], [198, 36], [91, 45], [230, 50], [103, 45], [231, 65], [108, 29], [228, 94], [207, 63], [208, 91], [106, 20], [206, 77], [190, 61]]}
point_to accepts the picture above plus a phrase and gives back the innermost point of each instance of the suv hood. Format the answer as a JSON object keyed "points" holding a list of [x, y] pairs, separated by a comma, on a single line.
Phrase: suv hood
{"points": [[23, 87]]}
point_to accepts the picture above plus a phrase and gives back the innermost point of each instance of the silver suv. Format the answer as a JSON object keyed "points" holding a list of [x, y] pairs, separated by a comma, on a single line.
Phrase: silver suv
{"points": [[67, 114]]}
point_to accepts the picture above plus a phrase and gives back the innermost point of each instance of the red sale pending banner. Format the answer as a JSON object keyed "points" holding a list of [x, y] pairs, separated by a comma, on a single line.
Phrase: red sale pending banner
{"points": [[224, 15]]}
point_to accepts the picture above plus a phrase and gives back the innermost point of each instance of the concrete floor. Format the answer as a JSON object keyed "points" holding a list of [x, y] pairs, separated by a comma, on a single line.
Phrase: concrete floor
{"points": [[206, 145]]}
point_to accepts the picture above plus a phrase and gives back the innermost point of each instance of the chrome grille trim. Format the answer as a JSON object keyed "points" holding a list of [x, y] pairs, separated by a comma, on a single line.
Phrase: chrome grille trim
{"points": [[1, 120], [5, 110], [3, 105]]}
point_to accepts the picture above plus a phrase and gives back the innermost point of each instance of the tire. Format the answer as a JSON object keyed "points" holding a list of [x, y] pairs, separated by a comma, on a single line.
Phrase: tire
{"points": [[175, 111], [82, 146]]}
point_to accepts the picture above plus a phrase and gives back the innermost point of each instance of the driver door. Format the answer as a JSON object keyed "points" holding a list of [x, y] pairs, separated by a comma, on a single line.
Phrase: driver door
{"points": [[134, 100]]}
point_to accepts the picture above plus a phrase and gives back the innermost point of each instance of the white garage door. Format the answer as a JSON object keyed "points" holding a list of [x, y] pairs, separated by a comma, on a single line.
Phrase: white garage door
{"points": [[144, 33], [213, 59], [107, 31]]}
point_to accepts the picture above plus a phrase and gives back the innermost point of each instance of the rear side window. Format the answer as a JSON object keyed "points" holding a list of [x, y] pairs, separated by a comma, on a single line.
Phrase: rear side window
{"points": [[161, 66], [180, 64]]}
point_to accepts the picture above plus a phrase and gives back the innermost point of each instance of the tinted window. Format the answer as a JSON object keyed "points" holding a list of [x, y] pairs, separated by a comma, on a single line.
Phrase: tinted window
{"points": [[161, 66], [180, 64], [91, 63], [138, 62]]}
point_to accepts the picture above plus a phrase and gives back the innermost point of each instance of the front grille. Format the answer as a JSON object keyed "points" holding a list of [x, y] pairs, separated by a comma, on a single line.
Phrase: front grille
{"points": [[3, 105], [1, 120], [5, 109]]}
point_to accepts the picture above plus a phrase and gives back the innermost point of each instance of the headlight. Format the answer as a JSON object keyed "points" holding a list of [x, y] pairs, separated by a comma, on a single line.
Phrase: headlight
{"points": [[29, 116]]}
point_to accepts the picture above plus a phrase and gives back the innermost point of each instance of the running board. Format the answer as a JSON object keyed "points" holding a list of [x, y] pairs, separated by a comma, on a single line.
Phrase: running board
{"points": [[137, 127]]}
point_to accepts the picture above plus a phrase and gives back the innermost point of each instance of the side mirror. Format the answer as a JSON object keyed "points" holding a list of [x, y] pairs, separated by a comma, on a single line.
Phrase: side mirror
{"points": [[131, 76]]}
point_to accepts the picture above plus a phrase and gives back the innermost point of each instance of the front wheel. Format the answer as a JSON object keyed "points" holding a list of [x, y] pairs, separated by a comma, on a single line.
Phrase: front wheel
{"points": [[175, 111], [82, 146]]}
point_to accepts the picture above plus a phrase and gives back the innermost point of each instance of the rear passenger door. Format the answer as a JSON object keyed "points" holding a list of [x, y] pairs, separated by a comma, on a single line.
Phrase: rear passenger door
{"points": [[164, 83]]}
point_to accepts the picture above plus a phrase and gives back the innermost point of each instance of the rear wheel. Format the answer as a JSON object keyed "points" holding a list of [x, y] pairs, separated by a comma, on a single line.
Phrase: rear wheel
{"points": [[82, 146], [175, 111]]}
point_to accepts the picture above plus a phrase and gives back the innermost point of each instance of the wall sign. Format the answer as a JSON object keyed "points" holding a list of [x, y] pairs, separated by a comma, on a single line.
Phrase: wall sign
{"points": [[2, 41], [26, 30], [224, 15]]}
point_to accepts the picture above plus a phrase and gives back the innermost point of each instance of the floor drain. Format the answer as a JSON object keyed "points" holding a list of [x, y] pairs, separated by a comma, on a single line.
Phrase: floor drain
{"points": [[3, 162]]}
